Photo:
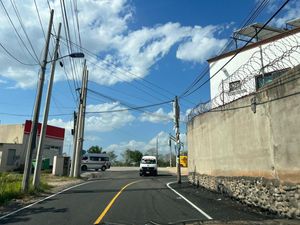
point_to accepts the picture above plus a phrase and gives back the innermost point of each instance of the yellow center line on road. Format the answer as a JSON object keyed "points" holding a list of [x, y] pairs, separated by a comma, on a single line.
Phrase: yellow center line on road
{"points": [[112, 202]]}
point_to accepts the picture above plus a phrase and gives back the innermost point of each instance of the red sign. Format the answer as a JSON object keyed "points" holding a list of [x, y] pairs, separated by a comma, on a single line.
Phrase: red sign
{"points": [[51, 131]]}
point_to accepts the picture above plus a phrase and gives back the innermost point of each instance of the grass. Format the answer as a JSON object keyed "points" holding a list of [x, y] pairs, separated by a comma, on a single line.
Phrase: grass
{"points": [[11, 187]]}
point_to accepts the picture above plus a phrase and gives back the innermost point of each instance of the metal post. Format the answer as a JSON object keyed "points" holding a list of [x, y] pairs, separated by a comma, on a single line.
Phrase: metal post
{"points": [[34, 126], [177, 116], [223, 93], [38, 166]]}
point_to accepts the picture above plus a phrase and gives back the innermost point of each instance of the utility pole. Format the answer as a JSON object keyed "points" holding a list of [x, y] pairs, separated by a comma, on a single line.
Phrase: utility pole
{"points": [[34, 126], [80, 124], [177, 116], [38, 166], [170, 145], [157, 149], [75, 133]]}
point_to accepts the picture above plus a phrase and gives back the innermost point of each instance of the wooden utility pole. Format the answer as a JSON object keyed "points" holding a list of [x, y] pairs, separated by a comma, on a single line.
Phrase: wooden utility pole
{"points": [[34, 126], [177, 133]]}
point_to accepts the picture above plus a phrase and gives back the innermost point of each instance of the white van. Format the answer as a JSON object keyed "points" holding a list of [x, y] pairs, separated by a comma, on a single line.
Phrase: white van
{"points": [[95, 161], [148, 165]]}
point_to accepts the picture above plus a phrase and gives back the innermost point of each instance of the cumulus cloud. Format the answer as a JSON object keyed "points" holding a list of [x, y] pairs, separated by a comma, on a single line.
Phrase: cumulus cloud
{"points": [[105, 31], [162, 138], [99, 120], [201, 46], [292, 11], [103, 122], [159, 116], [60, 123]]}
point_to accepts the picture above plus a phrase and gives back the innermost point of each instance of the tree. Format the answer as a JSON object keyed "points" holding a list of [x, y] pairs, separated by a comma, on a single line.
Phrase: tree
{"points": [[112, 156], [132, 157], [95, 149]]}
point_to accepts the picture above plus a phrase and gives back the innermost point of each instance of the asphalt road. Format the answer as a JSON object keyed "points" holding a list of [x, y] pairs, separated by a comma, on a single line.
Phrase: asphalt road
{"points": [[123, 197]]}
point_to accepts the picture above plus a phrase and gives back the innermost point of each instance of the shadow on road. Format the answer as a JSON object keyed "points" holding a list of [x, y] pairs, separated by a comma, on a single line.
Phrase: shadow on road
{"points": [[24, 215]]}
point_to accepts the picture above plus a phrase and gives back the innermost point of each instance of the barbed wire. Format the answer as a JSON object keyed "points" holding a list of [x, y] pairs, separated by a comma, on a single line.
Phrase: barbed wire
{"points": [[272, 59]]}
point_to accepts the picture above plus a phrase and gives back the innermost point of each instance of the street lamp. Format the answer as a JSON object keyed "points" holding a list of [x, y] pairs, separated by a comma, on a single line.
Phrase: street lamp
{"points": [[72, 55], [37, 169]]}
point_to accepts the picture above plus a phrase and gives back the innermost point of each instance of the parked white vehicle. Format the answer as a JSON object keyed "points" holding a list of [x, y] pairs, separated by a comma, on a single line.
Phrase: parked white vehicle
{"points": [[148, 165], [95, 161]]}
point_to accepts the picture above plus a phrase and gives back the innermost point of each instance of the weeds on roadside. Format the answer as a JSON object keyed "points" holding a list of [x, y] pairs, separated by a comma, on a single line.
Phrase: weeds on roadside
{"points": [[11, 187]]}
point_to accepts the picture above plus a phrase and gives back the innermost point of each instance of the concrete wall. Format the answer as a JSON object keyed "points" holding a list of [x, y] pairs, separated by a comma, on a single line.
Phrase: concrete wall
{"points": [[17, 160], [253, 157], [11, 133], [239, 142], [21, 149]]}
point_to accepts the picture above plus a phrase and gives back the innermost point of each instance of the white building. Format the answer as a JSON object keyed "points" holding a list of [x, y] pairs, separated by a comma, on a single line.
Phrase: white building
{"points": [[272, 52], [13, 144]]}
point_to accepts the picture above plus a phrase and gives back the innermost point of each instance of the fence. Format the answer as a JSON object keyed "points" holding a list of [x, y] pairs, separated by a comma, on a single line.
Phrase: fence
{"points": [[265, 64]]}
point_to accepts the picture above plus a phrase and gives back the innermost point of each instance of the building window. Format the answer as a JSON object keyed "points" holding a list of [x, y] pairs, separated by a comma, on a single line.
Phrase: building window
{"points": [[235, 85], [267, 78]]}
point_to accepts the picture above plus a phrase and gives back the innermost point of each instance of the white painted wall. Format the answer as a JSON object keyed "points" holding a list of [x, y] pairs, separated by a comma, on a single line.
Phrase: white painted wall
{"points": [[279, 54]]}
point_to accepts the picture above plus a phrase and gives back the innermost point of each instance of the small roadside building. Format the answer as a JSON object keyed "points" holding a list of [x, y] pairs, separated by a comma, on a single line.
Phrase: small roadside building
{"points": [[14, 139]]}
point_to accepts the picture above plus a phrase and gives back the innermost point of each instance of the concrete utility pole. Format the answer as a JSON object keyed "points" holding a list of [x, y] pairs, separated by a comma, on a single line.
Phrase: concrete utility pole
{"points": [[80, 124], [177, 116], [75, 133], [170, 145], [38, 166], [157, 149], [34, 126]]}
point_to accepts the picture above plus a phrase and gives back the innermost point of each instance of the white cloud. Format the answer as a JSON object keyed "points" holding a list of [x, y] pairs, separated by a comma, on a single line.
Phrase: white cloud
{"points": [[291, 11], [201, 46], [103, 122], [163, 147], [158, 116], [105, 31], [100, 122], [60, 123]]}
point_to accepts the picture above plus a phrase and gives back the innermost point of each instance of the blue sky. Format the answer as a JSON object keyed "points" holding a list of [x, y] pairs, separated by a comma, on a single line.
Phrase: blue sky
{"points": [[138, 53]]}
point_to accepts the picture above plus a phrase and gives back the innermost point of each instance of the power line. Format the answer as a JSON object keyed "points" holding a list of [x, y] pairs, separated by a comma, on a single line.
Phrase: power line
{"points": [[17, 33], [69, 45], [124, 72], [65, 72], [39, 17], [23, 27], [131, 106], [121, 92], [239, 50], [15, 58], [257, 10], [136, 87]]}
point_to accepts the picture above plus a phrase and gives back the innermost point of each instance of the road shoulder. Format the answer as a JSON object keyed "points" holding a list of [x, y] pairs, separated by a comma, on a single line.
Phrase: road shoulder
{"points": [[225, 210]]}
